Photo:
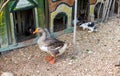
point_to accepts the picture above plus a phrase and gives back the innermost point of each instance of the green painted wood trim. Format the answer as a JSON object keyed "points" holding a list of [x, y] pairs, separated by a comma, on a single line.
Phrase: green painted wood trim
{"points": [[3, 27], [47, 14], [15, 46], [12, 29], [36, 17], [14, 7], [56, 34], [19, 45], [69, 30], [41, 13]]}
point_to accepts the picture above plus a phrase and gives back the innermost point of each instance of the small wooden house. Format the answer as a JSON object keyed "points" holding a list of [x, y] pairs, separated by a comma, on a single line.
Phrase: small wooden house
{"points": [[17, 16]]}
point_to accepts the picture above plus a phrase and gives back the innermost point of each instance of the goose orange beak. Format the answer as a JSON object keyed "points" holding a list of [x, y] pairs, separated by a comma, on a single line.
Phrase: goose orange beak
{"points": [[36, 31]]}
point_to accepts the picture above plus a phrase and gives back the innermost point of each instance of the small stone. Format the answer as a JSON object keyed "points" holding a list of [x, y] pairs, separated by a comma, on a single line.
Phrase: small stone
{"points": [[118, 46], [90, 52], [69, 63], [7, 74], [110, 50], [38, 71]]}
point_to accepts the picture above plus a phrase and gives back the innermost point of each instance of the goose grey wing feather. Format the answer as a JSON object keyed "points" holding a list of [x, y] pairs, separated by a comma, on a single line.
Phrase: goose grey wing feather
{"points": [[53, 42]]}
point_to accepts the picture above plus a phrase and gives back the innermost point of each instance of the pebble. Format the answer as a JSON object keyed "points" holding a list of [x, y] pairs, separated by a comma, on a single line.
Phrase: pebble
{"points": [[7, 74]]}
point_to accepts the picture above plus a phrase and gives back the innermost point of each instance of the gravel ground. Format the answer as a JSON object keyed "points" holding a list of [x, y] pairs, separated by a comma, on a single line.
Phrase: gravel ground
{"points": [[95, 54]]}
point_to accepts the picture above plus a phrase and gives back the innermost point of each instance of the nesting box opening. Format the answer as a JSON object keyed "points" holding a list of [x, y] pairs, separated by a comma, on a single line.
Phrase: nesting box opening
{"points": [[24, 23], [60, 22], [83, 10]]}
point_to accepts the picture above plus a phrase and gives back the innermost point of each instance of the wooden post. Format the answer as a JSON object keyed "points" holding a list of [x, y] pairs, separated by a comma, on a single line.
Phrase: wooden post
{"points": [[75, 18], [98, 13], [92, 17], [105, 9], [109, 5], [113, 7]]}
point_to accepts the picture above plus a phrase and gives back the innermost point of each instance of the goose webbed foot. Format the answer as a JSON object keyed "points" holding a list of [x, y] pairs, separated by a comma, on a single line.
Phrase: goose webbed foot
{"points": [[50, 59]]}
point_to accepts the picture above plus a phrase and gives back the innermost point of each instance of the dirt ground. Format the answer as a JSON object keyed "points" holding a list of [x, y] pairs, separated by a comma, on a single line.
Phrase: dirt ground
{"points": [[95, 54]]}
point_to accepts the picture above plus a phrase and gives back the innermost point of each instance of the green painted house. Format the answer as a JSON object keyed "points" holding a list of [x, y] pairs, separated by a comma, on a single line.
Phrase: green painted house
{"points": [[15, 18]]}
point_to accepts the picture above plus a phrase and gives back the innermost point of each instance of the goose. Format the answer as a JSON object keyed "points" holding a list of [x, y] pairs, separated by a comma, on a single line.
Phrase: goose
{"points": [[52, 46]]}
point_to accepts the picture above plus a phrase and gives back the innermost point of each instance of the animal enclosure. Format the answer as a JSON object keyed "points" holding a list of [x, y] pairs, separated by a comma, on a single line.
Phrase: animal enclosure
{"points": [[19, 18]]}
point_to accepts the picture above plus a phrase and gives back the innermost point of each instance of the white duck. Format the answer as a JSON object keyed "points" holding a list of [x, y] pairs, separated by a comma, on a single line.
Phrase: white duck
{"points": [[52, 46]]}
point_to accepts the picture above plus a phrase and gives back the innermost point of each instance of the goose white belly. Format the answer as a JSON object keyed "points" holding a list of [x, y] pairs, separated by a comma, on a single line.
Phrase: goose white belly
{"points": [[44, 48]]}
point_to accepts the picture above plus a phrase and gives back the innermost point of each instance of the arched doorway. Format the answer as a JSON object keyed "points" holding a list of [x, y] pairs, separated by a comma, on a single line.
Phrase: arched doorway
{"points": [[60, 22]]}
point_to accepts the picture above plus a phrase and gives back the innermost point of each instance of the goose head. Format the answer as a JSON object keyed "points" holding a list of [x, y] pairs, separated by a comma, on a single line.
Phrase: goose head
{"points": [[38, 30], [42, 33]]}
